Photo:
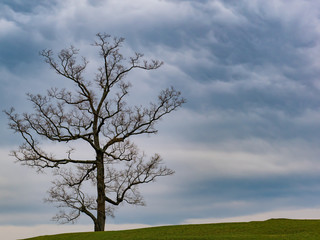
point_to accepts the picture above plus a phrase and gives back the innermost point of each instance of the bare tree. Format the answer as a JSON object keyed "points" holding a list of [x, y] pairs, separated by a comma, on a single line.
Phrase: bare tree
{"points": [[96, 113]]}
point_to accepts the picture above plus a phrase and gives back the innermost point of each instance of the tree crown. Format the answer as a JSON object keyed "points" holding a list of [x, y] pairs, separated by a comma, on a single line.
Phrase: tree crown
{"points": [[95, 112]]}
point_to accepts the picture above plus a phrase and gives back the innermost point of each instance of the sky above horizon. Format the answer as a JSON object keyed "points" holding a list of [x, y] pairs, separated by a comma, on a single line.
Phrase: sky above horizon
{"points": [[245, 146]]}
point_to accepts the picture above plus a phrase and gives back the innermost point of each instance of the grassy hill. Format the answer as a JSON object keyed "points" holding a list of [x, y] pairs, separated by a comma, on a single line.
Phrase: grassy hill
{"points": [[271, 229]]}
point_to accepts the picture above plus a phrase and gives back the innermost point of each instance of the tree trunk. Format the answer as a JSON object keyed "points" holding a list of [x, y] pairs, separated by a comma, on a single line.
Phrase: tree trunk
{"points": [[101, 203]]}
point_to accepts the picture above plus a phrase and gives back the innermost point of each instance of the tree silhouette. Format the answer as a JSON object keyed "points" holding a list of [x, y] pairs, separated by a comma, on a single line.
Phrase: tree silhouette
{"points": [[95, 113]]}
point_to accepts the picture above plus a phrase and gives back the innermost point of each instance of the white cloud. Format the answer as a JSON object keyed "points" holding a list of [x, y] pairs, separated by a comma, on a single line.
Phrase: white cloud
{"points": [[19, 232], [7, 27], [305, 213], [111, 16], [224, 14], [310, 117], [233, 158], [206, 163]]}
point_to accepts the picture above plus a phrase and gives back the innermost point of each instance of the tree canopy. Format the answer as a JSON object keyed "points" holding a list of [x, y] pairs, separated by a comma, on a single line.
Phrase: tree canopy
{"points": [[97, 113]]}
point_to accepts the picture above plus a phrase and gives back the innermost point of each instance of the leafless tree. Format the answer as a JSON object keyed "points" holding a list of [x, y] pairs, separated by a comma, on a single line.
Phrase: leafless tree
{"points": [[96, 113]]}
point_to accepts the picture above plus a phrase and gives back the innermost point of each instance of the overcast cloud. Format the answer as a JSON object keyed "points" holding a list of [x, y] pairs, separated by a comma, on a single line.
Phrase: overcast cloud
{"points": [[246, 144]]}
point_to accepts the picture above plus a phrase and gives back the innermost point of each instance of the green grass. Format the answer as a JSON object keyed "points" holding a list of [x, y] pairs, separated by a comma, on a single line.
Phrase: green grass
{"points": [[272, 229]]}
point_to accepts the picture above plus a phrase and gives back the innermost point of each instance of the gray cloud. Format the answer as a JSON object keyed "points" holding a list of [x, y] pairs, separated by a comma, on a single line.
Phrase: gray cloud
{"points": [[246, 141], [22, 6]]}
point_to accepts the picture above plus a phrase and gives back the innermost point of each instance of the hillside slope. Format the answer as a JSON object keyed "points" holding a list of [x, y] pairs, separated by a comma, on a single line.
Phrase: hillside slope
{"points": [[270, 229]]}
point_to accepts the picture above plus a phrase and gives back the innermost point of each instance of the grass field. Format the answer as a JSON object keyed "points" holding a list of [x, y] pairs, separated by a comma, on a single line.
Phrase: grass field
{"points": [[271, 229]]}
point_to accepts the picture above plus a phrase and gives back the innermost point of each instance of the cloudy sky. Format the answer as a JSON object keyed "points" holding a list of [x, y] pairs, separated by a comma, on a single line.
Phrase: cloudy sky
{"points": [[245, 146]]}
